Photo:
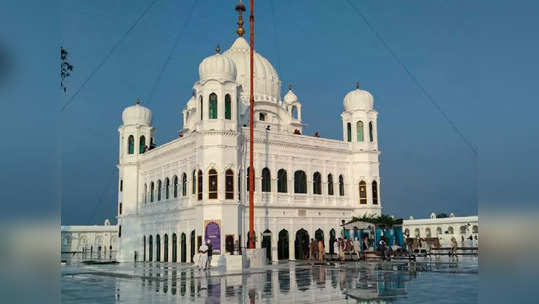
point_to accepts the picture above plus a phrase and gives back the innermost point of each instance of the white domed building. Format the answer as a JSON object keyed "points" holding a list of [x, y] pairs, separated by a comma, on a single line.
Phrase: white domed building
{"points": [[174, 196]]}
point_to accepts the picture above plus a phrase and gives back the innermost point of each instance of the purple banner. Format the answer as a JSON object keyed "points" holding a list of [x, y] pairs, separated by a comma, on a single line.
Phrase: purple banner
{"points": [[213, 233]]}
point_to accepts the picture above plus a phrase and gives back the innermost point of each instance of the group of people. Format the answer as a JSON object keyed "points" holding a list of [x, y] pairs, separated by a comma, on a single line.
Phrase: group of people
{"points": [[351, 246], [317, 250], [205, 254]]}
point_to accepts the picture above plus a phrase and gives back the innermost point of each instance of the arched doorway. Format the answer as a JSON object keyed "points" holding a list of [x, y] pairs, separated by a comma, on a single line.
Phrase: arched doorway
{"points": [[174, 248], [192, 245], [319, 235], [266, 243], [332, 239], [302, 244], [165, 253], [282, 245], [184, 248]]}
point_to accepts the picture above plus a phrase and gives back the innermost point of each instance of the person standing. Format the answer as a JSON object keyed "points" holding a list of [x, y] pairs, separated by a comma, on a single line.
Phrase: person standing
{"points": [[342, 248], [312, 250], [357, 247], [203, 256], [321, 251], [210, 253], [336, 247]]}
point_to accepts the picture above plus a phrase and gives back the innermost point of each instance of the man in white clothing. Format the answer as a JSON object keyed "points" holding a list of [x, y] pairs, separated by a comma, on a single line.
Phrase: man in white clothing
{"points": [[203, 256]]}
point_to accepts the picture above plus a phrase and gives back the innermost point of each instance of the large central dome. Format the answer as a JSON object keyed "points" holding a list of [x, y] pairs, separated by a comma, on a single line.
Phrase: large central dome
{"points": [[266, 81]]}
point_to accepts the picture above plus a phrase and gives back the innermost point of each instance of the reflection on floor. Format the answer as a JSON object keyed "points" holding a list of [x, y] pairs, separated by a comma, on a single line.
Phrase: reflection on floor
{"points": [[292, 282]]}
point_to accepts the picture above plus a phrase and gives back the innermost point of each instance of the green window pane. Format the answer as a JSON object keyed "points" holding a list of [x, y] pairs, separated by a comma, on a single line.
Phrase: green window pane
{"points": [[213, 106], [228, 107], [359, 131]]}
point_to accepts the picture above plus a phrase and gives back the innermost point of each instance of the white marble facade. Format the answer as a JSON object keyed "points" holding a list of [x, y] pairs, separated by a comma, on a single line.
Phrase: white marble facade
{"points": [[171, 191], [459, 227], [89, 239]]}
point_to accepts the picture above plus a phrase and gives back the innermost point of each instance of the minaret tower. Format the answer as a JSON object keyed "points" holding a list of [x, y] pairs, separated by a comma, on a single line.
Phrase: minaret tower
{"points": [[359, 121], [136, 138]]}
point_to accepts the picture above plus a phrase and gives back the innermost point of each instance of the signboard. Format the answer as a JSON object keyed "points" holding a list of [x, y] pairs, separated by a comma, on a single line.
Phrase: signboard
{"points": [[212, 232]]}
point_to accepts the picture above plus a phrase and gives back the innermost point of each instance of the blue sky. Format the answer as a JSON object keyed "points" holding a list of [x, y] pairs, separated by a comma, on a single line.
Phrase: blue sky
{"points": [[476, 60]]}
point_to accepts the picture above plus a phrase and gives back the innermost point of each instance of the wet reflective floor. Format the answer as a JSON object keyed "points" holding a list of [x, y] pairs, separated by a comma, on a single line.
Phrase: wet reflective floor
{"points": [[424, 281]]}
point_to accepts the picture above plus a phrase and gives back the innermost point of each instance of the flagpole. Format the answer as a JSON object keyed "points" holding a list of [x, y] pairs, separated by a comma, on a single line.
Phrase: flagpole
{"points": [[251, 117]]}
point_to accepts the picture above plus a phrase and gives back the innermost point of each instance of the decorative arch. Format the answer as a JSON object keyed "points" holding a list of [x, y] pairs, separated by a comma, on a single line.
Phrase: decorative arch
{"points": [[159, 187], [341, 185], [266, 180], [359, 131], [152, 191], [428, 233], [212, 184], [317, 183], [438, 230], [282, 245], [374, 192], [175, 191], [212, 107], [300, 182], [295, 112], [282, 181], [371, 134], [131, 144], [349, 132], [229, 184], [362, 192], [194, 182], [184, 184], [200, 179], [228, 107], [330, 184], [450, 230], [142, 144], [167, 188]]}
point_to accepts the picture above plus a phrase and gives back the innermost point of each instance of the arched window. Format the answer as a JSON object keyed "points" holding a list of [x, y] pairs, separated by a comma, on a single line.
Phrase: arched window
{"points": [[159, 186], [167, 188], [228, 107], [417, 233], [200, 178], [254, 180], [317, 183], [341, 185], [266, 180], [131, 144], [212, 184], [362, 192], [374, 192], [282, 186], [201, 108], [349, 131], [359, 131], [330, 184], [371, 135], [194, 182], [229, 184], [439, 230], [184, 184], [142, 144], [152, 191], [428, 233], [294, 112], [450, 230], [175, 186], [145, 193], [475, 229], [300, 182], [213, 106]]}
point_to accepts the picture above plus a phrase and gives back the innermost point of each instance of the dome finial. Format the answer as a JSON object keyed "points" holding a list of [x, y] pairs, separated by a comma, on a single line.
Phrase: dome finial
{"points": [[357, 84], [290, 87], [218, 49], [240, 8], [138, 100]]}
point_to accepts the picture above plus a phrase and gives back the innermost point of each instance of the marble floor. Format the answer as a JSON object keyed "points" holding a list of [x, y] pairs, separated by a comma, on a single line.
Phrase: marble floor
{"points": [[423, 281]]}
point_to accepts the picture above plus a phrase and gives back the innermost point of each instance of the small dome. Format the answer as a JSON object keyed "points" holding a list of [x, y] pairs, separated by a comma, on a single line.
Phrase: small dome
{"points": [[137, 115], [290, 97], [217, 67], [358, 100]]}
